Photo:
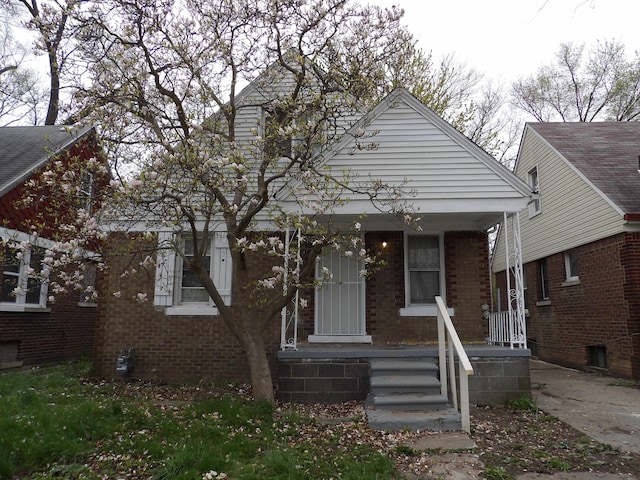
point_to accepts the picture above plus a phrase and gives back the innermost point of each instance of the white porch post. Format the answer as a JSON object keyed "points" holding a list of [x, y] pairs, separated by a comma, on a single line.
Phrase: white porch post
{"points": [[517, 333], [289, 318]]}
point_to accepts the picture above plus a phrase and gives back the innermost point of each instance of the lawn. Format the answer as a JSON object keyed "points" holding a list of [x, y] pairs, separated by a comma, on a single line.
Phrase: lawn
{"points": [[57, 423]]}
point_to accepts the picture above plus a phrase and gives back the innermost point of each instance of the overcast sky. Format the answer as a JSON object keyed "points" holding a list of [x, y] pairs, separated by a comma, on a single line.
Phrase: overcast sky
{"points": [[507, 39]]}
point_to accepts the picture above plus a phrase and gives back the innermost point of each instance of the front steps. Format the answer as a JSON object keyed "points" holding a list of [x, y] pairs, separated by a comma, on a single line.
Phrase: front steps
{"points": [[405, 395]]}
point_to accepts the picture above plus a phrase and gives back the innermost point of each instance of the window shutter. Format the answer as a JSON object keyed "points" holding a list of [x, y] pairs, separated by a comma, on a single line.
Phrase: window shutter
{"points": [[165, 271], [222, 267]]}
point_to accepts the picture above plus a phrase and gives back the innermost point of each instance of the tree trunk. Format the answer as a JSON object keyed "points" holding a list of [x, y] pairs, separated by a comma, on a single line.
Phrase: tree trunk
{"points": [[261, 379]]}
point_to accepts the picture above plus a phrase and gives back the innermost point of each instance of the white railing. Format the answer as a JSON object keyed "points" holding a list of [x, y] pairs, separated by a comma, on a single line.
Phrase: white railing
{"points": [[506, 330], [449, 345]]}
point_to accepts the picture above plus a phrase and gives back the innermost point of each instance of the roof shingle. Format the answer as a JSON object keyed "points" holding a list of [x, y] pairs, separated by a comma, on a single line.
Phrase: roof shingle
{"points": [[606, 153]]}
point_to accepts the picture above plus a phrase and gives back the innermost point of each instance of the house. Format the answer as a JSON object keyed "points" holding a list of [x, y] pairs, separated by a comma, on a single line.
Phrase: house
{"points": [[33, 329], [322, 353], [581, 245]]}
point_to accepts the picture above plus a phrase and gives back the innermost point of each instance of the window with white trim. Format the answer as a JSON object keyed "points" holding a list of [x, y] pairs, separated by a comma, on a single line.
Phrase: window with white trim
{"points": [[178, 288], [21, 282], [190, 289], [571, 265], [423, 266], [533, 181]]}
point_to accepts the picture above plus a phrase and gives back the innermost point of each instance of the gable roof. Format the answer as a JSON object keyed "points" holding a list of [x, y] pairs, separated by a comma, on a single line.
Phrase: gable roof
{"points": [[441, 164], [607, 154], [24, 149]]}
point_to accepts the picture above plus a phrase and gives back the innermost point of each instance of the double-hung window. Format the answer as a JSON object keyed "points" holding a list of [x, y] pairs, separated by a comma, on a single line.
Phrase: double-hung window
{"points": [[306, 129], [177, 285], [571, 266], [423, 264], [21, 283], [191, 290]]}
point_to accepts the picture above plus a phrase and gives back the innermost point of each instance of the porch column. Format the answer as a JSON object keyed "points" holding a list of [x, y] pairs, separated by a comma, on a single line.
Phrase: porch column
{"points": [[288, 338], [513, 256]]}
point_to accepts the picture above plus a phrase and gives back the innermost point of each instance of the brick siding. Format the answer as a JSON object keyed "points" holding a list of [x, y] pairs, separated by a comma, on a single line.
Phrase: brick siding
{"points": [[64, 333], [603, 309], [182, 348]]}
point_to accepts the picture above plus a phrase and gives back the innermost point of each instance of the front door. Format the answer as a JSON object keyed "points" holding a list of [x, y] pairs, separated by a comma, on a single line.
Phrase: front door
{"points": [[340, 306]]}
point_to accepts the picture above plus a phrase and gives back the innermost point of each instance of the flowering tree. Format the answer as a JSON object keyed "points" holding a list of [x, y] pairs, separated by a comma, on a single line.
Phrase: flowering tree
{"points": [[167, 83]]}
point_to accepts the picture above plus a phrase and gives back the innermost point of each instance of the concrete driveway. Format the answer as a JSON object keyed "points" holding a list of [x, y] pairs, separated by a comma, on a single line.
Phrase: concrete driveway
{"points": [[590, 403]]}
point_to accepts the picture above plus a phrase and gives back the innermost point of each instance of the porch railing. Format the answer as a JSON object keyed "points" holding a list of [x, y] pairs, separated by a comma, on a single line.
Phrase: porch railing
{"points": [[449, 346], [506, 330]]}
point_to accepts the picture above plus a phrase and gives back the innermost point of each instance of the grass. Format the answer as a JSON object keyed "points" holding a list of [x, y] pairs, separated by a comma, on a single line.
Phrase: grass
{"points": [[57, 424], [525, 402]]}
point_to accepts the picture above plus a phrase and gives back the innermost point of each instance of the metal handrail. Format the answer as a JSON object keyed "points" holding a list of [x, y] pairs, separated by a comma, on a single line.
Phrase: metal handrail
{"points": [[449, 342]]}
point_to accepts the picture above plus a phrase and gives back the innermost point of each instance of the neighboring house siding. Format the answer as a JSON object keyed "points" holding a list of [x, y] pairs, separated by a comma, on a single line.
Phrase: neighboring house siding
{"points": [[573, 213], [64, 333], [603, 309]]}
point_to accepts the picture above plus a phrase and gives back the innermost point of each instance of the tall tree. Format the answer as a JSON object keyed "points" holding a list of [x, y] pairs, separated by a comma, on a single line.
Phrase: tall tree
{"points": [[584, 86], [54, 28], [20, 92], [165, 81]]}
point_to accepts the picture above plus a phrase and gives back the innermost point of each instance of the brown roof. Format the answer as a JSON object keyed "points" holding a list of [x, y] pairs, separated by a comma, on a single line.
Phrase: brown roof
{"points": [[607, 153]]}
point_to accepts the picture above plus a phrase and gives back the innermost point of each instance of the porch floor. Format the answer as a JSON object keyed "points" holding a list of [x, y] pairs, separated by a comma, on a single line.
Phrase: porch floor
{"points": [[350, 350]]}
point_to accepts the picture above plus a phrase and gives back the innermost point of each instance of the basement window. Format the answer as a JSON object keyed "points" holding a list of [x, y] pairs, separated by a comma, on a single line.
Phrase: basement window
{"points": [[597, 356]]}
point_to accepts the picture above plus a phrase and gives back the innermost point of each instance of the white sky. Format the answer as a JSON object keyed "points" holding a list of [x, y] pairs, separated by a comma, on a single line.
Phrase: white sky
{"points": [[508, 39]]}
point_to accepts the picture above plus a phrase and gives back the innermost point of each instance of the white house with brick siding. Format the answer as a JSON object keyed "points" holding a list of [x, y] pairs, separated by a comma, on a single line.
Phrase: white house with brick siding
{"points": [[581, 244]]}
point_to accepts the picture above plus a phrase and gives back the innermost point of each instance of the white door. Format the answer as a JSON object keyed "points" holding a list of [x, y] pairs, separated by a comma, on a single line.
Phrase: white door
{"points": [[340, 306]]}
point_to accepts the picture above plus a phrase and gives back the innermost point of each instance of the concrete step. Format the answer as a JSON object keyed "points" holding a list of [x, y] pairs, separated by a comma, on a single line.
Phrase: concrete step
{"points": [[394, 420], [398, 366], [404, 384], [410, 402]]}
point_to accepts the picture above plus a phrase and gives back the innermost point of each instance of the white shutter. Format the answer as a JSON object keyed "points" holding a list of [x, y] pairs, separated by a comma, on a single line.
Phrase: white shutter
{"points": [[165, 271], [222, 266]]}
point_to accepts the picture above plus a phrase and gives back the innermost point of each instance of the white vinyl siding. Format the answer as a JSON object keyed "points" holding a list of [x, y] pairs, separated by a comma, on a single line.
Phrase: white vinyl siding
{"points": [[574, 213], [411, 146]]}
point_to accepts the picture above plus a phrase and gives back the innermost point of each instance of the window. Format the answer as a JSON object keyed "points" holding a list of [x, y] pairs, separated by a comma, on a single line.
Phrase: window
{"points": [[85, 196], [544, 279], [177, 288], [597, 356], [532, 180], [275, 144], [571, 265], [423, 264], [307, 128], [191, 290], [88, 292], [21, 283]]}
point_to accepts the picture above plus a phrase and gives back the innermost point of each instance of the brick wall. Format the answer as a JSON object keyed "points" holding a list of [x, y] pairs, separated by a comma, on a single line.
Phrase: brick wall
{"points": [[467, 288], [64, 333], [167, 348], [600, 310], [178, 348]]}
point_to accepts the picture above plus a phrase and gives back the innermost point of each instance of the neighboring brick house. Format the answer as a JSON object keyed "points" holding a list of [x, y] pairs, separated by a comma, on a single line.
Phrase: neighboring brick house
{"points": [[581, 244], [32, 328], [460, 192]]}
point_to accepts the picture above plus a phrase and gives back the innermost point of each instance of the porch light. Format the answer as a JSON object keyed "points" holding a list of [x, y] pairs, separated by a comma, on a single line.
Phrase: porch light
{"points": [[384, 244]]}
